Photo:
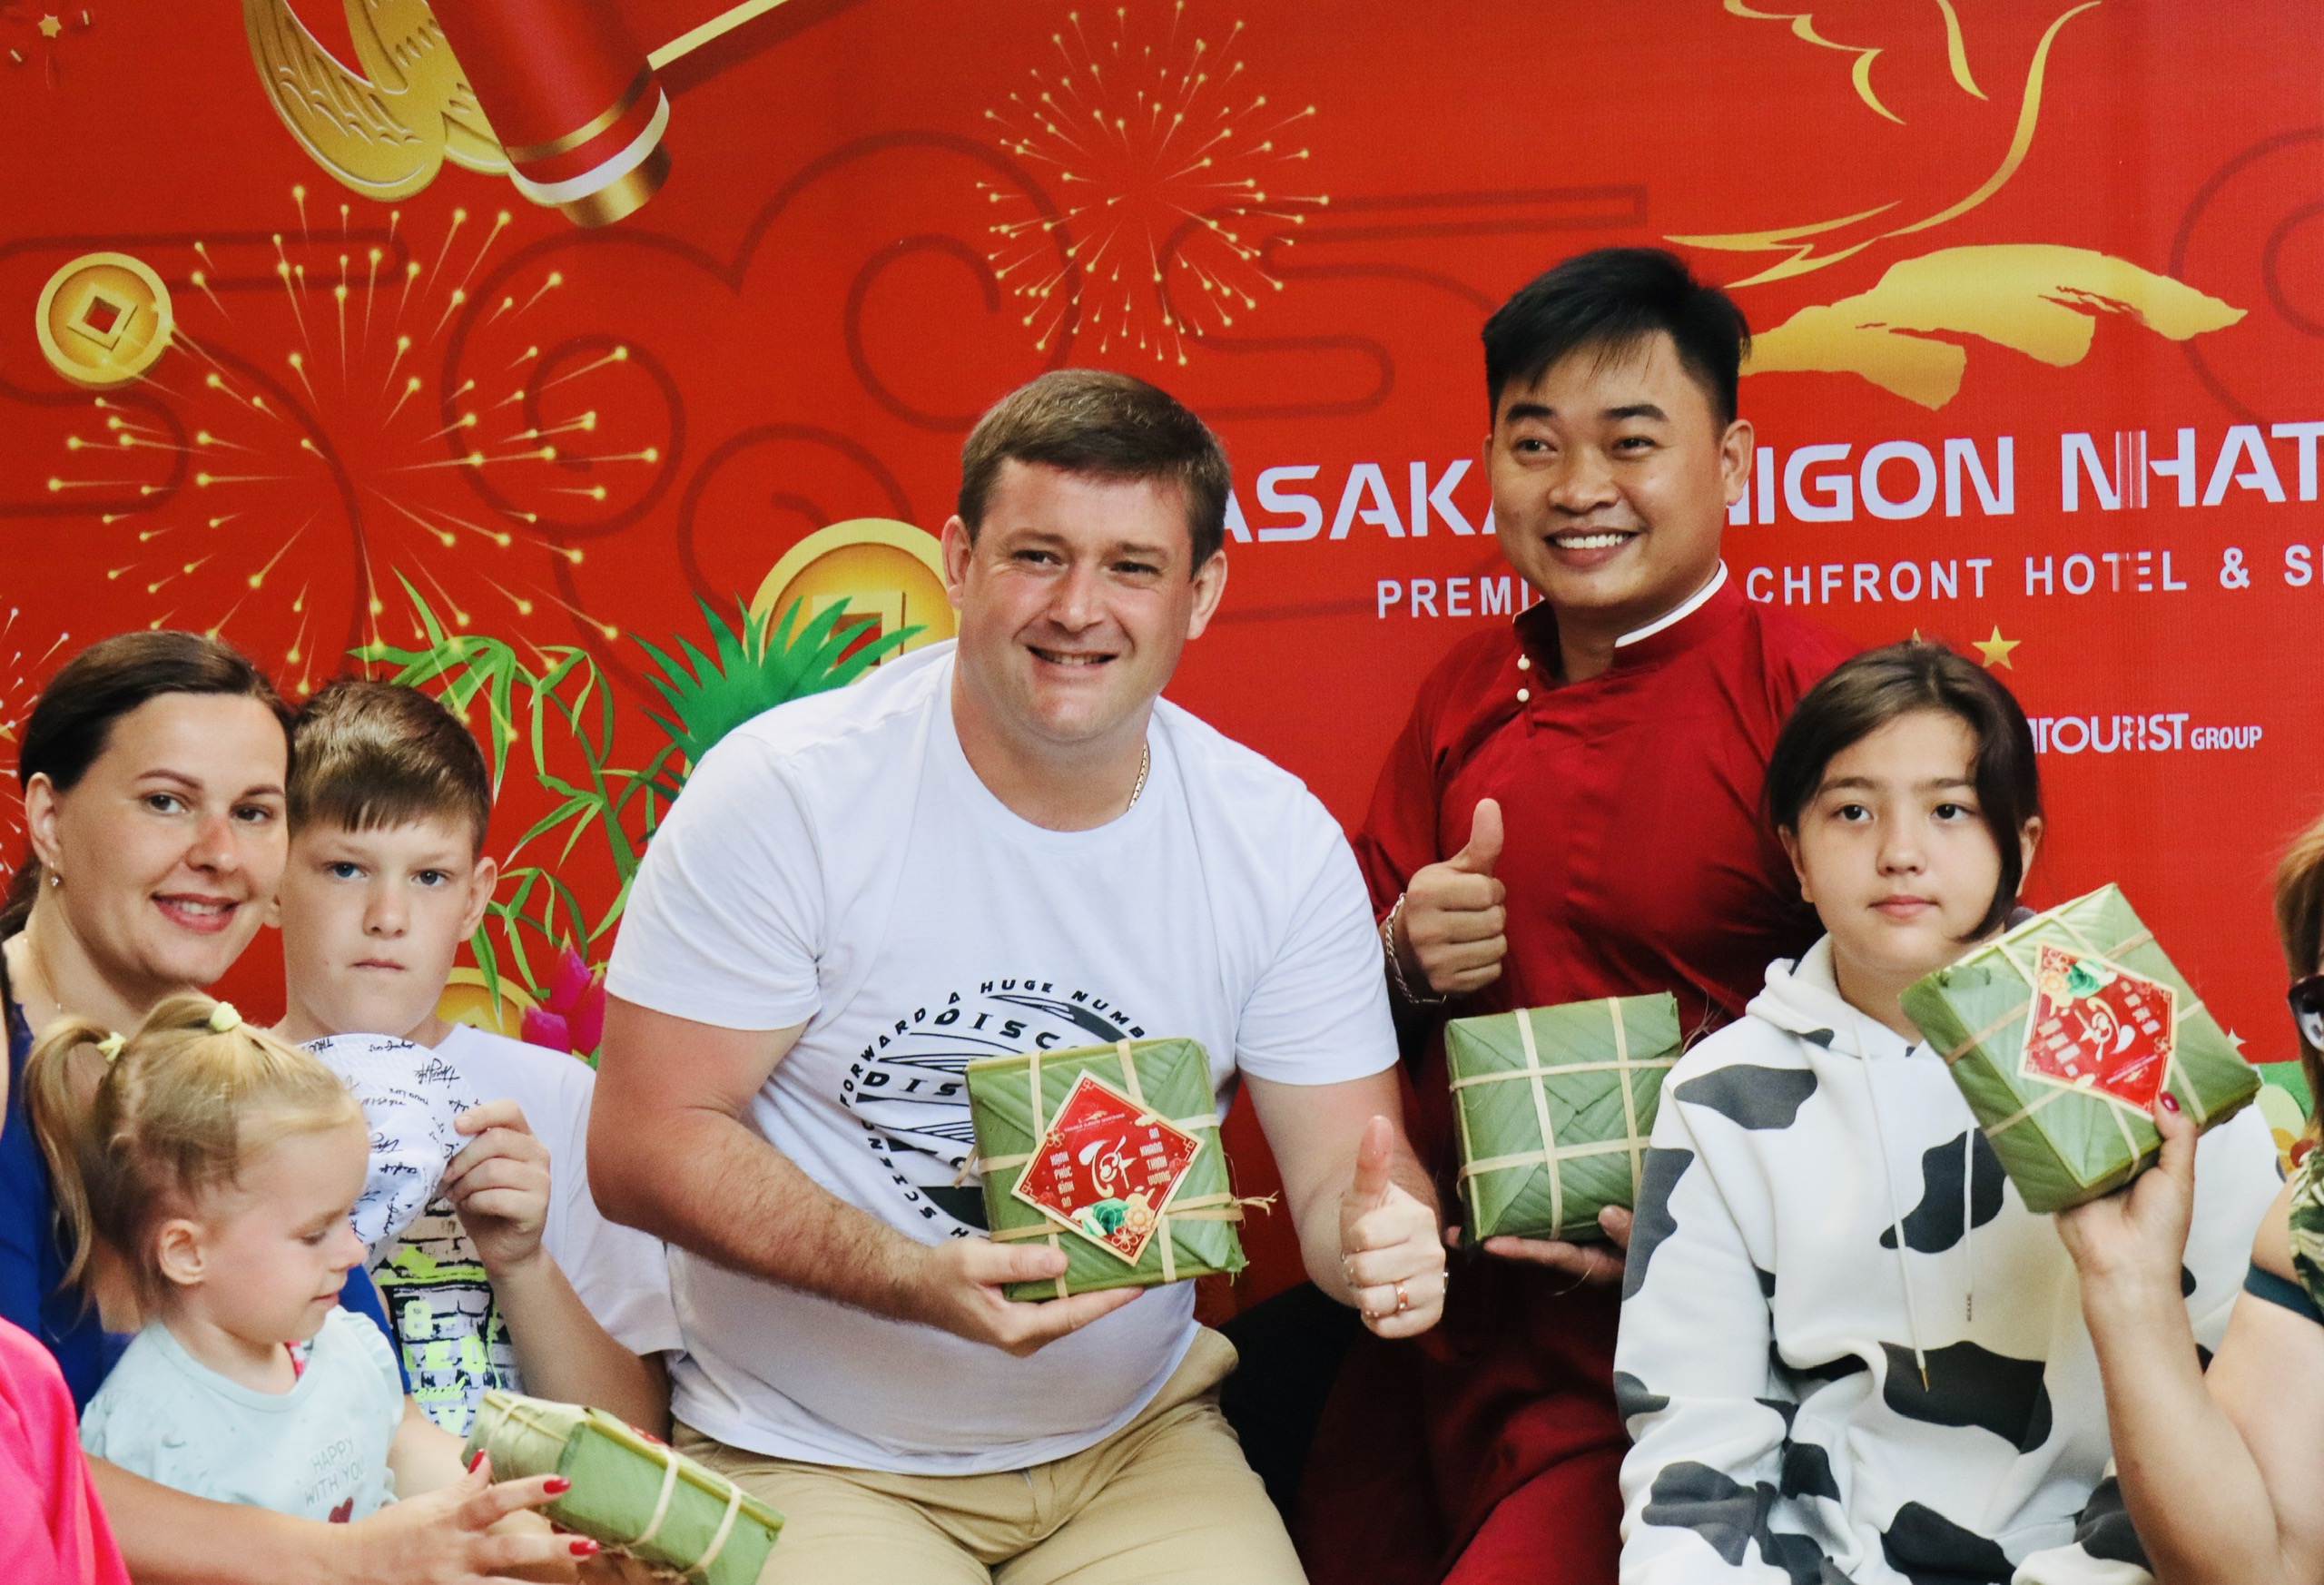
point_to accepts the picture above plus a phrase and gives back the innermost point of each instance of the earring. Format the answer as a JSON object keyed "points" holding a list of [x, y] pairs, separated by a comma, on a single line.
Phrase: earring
{"points": [[54, 878]]}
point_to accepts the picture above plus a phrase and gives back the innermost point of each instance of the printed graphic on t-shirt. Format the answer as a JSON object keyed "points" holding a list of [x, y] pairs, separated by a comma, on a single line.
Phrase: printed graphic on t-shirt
{"points": [[333, 1472], [907, 1091], [447, 1324]]}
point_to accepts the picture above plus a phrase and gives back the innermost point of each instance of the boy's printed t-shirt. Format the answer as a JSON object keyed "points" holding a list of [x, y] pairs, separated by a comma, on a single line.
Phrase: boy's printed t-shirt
{"points": [[318, 1451], [836, 862], [440, 1305]]}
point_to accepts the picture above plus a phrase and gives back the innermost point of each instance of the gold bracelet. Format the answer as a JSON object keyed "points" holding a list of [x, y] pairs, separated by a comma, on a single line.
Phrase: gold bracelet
{"points": [[1396, 982]]}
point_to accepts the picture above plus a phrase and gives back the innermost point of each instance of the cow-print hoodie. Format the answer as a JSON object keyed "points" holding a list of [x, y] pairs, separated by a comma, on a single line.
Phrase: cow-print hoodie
{"points": [[1815, 1400]]}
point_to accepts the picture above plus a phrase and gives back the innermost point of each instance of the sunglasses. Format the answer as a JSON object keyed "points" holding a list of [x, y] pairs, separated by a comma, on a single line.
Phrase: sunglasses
{"points": [[2307, 1000]]}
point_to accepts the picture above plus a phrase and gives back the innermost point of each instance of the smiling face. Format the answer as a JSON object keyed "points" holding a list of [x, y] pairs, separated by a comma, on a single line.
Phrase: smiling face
{"points": [[371, 921], [1076, 597], [263, 1258], [170, 846], [1611, 474], [1895, 854]]}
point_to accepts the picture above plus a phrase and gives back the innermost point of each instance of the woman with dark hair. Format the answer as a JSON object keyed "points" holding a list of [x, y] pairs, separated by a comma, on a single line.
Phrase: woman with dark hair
{"points": [[2222, 1474], [154, 768], [1846, 1343]]}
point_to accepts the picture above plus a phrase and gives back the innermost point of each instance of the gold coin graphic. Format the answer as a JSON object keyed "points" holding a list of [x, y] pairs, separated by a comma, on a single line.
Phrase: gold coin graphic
{"points": [[466, 1001], [103, 320], [891, 574]]}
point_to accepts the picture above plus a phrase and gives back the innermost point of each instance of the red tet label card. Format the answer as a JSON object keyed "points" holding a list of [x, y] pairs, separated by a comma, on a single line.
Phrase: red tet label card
{"points": [[1106, 1167], [2095, 1026]]}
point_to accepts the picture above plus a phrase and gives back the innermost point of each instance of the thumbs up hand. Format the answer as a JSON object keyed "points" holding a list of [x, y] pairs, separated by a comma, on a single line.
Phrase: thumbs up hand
{"points": [[1390, 1253], [1450, 935]]}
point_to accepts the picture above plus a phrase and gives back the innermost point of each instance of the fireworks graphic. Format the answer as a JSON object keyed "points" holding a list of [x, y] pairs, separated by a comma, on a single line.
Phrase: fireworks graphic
{"points": [[17, 692], [34, 30], [309, 441], [1168, 168]]}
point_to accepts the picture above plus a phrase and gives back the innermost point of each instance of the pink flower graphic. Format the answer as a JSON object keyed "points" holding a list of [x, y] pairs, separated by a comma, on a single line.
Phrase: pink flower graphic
{"points": [[572, 1018]]}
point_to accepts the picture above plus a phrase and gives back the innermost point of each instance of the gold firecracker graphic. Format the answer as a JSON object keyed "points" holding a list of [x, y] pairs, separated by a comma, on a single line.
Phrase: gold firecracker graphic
{"points": [[891, 574], [582, 113]]}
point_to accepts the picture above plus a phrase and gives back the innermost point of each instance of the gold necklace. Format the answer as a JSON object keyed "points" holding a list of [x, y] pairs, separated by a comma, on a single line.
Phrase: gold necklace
{"points": [[1145, 763]]}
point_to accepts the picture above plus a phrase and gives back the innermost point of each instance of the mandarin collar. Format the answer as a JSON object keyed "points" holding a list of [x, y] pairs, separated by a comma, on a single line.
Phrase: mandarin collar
{"points": [[1697, 618]]}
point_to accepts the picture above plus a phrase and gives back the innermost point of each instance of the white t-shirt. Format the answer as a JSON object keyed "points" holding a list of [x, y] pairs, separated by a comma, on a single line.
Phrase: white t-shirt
{"points": [[837, 864], [439, 1301], [318, 1451]]}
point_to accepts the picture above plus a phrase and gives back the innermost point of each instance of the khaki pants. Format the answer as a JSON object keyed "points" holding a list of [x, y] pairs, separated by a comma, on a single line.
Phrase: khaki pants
{"points": [[1166, 1497]]}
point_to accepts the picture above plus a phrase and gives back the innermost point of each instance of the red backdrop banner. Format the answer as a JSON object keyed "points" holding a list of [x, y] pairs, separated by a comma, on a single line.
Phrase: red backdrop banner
{"points": [[292, 354]]}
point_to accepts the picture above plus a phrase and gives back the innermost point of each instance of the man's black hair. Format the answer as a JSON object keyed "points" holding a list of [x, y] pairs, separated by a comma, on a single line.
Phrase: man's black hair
{"points": [[1611, 301]]}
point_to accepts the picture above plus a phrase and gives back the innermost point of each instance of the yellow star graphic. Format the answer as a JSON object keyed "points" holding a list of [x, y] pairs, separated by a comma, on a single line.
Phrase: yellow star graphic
{"points": [[1995, 649], [50, 27]]}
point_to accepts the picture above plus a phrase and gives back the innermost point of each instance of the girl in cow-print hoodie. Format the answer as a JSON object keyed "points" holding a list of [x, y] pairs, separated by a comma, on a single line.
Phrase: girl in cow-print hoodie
{"points": [[1847, 1351]]}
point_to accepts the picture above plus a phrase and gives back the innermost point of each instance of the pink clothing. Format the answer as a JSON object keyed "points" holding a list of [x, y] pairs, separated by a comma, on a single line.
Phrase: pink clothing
{"points": [[52, 1532]]}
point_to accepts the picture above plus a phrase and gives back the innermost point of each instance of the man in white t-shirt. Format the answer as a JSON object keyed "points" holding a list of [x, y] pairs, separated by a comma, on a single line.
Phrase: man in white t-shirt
{"points": [[988, 847]]}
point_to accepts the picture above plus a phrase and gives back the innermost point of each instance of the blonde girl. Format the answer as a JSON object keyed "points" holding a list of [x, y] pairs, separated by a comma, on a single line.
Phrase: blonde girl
{"points": [[219, 1166]]}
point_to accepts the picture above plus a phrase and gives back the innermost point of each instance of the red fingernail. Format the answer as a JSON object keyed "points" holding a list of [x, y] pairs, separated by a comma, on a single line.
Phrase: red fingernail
{"points": [[2170, 1100], [558, 1485], [584, 1548], [475, 1459]]}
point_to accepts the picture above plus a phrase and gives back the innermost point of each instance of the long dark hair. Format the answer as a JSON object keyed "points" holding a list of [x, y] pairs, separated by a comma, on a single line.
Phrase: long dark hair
{"points": [[71, 722], [1864, 695]]}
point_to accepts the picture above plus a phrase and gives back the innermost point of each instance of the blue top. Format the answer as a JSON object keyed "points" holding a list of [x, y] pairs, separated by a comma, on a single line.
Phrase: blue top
{"points": [[32, 1258]]}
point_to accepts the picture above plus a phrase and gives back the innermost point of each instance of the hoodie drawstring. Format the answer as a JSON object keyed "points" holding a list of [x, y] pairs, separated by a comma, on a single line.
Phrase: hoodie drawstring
{"points": [[1897, 1221], [1969, 1220]]}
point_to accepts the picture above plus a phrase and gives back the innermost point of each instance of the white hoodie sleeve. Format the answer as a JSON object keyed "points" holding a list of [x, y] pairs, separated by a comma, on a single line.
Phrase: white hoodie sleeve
{"points": [[1692, 1375]]}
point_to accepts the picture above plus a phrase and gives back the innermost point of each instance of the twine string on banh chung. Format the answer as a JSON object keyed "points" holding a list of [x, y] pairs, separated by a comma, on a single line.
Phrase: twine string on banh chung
{"points": [[1623, 1080], [1541, 1111], [661, 1501], [2174, 1075], [1136, 1093], [499, 1410], [1625, 1069], [1212, 1208]]}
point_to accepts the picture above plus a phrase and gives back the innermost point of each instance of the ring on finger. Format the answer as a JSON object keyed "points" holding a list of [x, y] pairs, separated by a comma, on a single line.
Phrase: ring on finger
{"points": [[1403, 1300]]}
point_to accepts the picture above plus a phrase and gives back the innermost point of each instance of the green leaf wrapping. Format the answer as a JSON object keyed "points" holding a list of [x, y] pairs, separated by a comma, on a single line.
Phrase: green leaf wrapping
{"points": [[619, 1477], [2079, 1144], [1596, 1053], [1173, 1081]]}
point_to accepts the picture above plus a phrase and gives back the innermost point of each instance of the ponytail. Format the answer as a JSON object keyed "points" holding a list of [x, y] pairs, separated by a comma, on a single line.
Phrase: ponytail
{"points": [[180, 1106], [61, 1125]]}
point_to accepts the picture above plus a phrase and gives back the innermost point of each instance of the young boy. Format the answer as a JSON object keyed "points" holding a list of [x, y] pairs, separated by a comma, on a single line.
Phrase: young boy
{"points": [[510, 1278]]}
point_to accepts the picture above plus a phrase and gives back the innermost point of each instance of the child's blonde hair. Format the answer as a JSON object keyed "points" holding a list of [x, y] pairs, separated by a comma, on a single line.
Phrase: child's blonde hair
{"points": [[182, 1105]]}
